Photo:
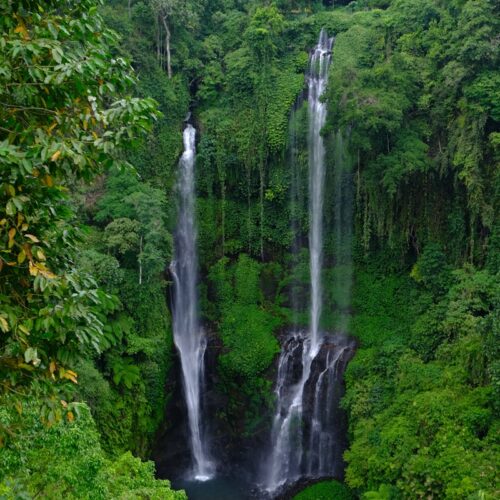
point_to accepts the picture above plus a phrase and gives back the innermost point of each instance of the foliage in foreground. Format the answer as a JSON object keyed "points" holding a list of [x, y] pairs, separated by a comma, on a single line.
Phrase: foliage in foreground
{"points": [[65, 460], [60, 125], [66, 117]]}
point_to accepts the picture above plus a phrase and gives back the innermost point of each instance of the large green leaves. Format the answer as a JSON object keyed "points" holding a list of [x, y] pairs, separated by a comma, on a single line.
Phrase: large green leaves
{"points": [[65, 115]]}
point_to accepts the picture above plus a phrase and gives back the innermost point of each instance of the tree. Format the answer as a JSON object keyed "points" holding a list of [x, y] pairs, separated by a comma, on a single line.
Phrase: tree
{"points": [[64, 117], [122, 236], [165, 10], [137, 212], [263, 34], [79, 467]]}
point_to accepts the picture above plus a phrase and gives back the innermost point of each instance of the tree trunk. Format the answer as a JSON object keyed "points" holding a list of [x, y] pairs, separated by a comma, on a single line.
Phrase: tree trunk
{"points": [[158, 41], [249, 207], [261, 196], [222, 179], [167, 46], [223, 221], [358, 181], [140, 261]]}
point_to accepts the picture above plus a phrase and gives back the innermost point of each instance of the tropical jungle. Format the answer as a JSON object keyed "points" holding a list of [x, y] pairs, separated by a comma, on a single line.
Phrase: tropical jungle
{"points": [[249, 249]]}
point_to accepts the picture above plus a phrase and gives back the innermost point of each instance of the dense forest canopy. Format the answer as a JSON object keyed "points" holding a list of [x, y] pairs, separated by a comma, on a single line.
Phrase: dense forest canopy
{"points": [[93, 97]]}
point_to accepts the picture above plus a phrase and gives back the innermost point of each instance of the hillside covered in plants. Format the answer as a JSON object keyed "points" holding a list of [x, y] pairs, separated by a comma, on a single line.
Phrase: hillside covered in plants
{"points": [[249, 249]]}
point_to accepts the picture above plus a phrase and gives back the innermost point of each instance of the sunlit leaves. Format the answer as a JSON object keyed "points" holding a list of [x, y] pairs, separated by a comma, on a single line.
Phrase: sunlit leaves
{"points": [[65, 115]]}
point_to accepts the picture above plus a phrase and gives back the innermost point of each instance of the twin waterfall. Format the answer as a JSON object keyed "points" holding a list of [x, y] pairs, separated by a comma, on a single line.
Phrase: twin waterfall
{"points": [[188, 333], [306, 438], [308, 431]]}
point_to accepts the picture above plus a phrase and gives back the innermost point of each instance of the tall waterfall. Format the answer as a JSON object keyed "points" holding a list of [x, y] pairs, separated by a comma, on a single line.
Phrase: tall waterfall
{"points": [[189, 337], [306, 436], [318, 78]]}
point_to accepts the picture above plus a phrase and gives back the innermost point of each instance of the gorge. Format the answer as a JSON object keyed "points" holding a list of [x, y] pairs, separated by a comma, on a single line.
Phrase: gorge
{"points": [[308, 434]]}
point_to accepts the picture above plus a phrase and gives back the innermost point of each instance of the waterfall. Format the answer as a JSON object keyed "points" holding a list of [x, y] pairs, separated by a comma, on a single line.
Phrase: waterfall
{"points": [[307, 438], [323, 426], [307, 431], [189, 337], [318, 78]]}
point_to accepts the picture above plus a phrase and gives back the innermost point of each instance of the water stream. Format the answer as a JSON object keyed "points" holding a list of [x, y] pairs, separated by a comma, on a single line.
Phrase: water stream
{"points": [[189, 337], [318, 79]]}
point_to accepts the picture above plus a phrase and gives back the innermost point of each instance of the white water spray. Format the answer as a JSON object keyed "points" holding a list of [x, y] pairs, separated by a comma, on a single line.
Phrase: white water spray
{"points": [[189, 337], [318, 78]]}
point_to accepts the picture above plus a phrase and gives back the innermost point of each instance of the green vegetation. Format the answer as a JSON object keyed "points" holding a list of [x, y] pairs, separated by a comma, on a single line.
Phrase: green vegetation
{"points": [[421, 406], [66, 461], [326, 490], [88, 156], [422, 389], [246, 329], [61, 126]]}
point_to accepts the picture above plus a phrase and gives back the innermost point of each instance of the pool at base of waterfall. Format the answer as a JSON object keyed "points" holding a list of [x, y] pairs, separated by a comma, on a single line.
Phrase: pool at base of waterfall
{"points": [[218, 488]]}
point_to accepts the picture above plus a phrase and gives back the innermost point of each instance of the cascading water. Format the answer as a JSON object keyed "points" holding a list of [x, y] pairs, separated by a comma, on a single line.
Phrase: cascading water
{"points": [[188, 334], [318, 78], [324, 421], [306, 437]]}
